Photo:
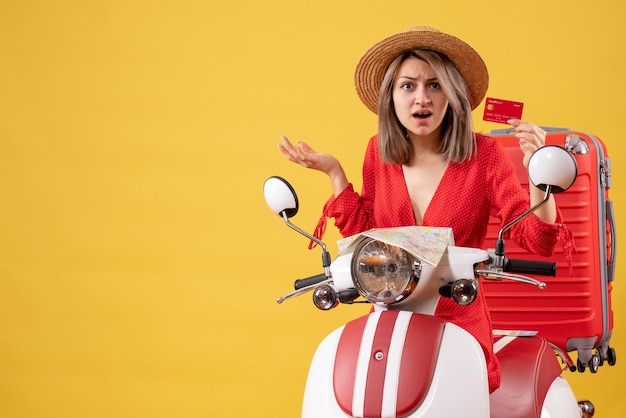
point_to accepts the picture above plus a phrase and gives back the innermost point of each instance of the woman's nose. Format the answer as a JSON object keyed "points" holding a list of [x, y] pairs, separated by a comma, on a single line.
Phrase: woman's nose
{"points": [[421, 96]]}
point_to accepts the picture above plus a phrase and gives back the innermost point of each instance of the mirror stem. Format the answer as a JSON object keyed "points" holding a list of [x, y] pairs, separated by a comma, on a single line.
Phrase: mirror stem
{"points": [[325, 254], [499, 252]]}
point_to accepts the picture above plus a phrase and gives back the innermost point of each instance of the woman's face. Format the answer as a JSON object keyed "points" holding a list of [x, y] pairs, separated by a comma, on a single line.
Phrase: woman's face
{"points": [[419, 102]]}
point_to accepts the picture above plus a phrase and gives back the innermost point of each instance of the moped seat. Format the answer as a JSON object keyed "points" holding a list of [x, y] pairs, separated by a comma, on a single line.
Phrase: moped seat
{"points": [[529, 366]]}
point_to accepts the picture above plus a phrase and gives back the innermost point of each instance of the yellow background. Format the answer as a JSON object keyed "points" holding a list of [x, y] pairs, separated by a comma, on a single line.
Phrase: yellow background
{"points": [[138, 261]]}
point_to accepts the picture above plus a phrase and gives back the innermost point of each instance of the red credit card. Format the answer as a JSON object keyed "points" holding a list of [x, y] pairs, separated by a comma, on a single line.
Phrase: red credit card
{"points": [[500, 111]]}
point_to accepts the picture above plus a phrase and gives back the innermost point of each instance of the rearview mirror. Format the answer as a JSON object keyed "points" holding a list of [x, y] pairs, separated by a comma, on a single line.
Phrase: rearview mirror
{"points": [[280, 196], [552, 166]]}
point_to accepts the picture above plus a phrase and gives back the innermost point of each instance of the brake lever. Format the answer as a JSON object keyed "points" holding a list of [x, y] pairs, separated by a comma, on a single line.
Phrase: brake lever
{"points": [[498, 275], [301, 291]]}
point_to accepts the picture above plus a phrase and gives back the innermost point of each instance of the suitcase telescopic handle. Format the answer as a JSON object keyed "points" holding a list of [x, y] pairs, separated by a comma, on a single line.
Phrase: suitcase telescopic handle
{"points": [[509, 131]]}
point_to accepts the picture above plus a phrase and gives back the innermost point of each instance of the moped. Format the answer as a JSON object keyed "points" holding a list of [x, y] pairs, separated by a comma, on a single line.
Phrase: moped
{"points": [[400, 360]]}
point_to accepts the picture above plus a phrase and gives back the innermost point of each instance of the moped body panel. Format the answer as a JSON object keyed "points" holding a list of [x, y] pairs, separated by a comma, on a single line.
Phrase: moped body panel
{"points": [[444, 392]]}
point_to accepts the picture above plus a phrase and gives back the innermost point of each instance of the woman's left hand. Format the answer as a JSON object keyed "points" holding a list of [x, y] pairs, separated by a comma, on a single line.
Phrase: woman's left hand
{"points": [[531, 137]]}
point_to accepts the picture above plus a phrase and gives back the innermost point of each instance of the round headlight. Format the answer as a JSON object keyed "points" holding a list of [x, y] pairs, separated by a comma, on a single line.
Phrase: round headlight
{"points": [[382, 273]]}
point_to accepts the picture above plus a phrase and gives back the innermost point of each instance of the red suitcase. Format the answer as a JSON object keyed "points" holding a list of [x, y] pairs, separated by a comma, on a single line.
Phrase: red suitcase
{"points": [[574, 311]]}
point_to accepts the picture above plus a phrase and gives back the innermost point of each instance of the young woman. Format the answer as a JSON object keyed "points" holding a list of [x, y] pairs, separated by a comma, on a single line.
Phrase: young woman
{"points": [[427, 167]]}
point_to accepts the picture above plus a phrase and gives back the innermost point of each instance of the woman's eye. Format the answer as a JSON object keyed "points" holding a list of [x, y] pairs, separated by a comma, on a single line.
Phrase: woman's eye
{"points": [[405, 86], [435, 85]]}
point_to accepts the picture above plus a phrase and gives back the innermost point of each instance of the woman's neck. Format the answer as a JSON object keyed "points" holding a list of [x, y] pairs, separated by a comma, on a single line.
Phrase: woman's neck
{"points": [[426, 145]]}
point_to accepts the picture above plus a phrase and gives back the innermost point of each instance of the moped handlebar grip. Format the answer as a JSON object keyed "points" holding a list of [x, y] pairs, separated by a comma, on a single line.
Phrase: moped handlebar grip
{"points": [[300, 283], [541, 268]]}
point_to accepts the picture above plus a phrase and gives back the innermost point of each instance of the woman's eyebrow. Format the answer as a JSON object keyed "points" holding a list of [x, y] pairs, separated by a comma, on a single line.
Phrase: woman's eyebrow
{"points": [[415, 78]]}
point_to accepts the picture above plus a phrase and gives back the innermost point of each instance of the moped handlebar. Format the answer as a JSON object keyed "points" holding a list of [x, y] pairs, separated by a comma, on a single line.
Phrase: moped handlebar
{"points": [[309, 281], [542, 268], [514, 269]]}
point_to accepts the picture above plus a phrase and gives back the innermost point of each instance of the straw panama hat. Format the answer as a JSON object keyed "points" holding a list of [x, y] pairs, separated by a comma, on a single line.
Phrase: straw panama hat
{"points": [[371, 68]]}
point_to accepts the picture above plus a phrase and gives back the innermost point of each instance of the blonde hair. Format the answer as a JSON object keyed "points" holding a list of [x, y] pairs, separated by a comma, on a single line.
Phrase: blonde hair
{"points": [[458, 141]]}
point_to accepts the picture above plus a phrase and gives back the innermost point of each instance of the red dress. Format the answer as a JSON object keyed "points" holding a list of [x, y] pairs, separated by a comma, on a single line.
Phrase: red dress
{"points": [[468, 193]]}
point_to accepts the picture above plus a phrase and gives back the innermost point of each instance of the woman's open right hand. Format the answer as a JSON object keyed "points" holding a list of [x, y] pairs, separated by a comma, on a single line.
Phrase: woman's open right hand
{"points": [[304, 155], [301, 153]]}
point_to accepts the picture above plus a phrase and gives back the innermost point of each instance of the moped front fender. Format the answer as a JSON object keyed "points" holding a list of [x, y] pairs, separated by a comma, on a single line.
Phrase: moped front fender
{"points": [[457, 386]]}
